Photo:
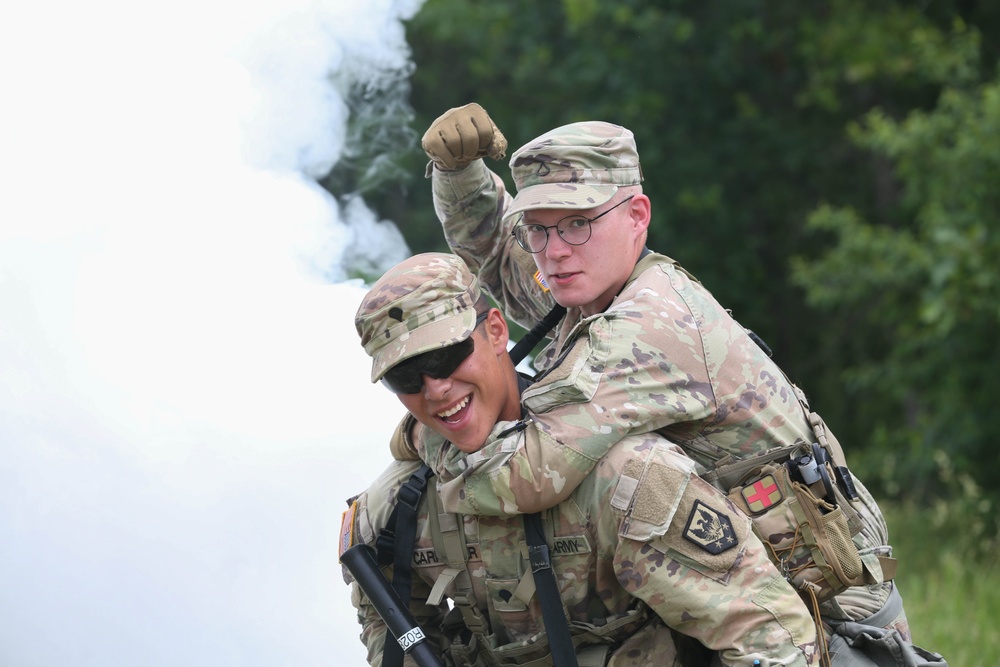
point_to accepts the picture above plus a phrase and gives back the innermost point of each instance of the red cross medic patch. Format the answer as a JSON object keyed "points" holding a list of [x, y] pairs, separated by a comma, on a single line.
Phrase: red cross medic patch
{"points": [[709, 529], [762, 494]]}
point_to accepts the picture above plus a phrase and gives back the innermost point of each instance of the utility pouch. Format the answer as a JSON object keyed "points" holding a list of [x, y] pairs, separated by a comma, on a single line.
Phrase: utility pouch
{"points": [[804, 528], [460, 647], [593, 642]]}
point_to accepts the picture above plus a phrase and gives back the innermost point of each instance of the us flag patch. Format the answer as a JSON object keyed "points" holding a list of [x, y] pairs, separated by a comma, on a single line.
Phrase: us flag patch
{"points": [[347, 528], [762, 494], [541, 281]]}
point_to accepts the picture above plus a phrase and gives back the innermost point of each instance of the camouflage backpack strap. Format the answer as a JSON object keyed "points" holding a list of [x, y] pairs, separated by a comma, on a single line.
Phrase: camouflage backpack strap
{"points": [[553, 614], [449, 539]]}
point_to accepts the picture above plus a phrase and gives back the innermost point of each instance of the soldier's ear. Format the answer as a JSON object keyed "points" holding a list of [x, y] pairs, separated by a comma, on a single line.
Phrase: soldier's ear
{"points": [[640, 211], [497, 331]]}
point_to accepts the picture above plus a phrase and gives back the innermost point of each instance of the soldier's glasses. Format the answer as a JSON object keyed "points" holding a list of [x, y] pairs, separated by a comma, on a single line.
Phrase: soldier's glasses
{"points": [[573, 229], [407, 377]]}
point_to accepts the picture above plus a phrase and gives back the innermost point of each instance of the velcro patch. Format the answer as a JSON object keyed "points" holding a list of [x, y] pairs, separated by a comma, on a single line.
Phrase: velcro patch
{"points": [[657, 498], [658, 494], [710, 529], [762, 494]]}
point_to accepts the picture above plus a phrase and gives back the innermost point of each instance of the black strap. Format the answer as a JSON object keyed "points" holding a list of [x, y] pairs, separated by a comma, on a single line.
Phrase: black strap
{"points": [[396, 547], [530, 339], [411, 492], [553, 614]]}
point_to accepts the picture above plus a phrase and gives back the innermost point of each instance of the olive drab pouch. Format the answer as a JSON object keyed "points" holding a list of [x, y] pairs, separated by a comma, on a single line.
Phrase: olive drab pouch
{"points": [[805, 522]]}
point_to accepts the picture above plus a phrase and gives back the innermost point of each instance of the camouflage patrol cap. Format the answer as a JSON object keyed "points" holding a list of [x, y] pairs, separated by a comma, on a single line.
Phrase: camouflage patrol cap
{"points": [[576, 166], [423, 303]]}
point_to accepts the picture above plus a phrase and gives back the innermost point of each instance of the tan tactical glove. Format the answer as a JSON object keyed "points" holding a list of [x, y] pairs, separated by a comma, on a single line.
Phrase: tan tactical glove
{"points": [[462, 135], [401, 444]]}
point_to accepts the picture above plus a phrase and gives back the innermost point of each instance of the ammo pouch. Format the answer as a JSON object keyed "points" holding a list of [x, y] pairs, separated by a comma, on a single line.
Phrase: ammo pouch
{"points": [[593, 642], [802, 517]]}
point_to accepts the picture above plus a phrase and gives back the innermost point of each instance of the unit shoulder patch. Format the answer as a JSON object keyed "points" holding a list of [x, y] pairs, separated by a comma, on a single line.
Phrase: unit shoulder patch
{"points": [[709, 529]]}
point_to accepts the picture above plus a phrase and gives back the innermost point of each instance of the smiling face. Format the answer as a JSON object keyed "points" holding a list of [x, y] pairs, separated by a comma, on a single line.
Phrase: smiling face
{"points": [[589, 276], [464, 407]]}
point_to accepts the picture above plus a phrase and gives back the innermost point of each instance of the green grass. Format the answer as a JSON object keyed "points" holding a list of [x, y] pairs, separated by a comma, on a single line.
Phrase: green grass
{"points": [[950, 588]]}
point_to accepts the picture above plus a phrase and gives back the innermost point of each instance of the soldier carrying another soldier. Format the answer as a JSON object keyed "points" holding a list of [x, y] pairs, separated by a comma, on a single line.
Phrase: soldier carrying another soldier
{"points": [[644, 347], [652, 564]]}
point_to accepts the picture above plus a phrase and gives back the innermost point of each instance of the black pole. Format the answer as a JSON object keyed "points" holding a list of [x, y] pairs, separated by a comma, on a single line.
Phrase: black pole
{"points": [[399, 622]]}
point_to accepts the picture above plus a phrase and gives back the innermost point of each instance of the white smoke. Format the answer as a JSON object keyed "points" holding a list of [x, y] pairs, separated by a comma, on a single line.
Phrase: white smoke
{"points": [[184, 405]]}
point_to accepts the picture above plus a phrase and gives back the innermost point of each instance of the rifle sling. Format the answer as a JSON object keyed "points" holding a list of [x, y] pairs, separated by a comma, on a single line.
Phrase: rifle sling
{"points": [[553, 614], [397, 547]]}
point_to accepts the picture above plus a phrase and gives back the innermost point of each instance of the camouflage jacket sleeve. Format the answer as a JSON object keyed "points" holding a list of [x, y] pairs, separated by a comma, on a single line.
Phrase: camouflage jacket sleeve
{"points": [[691, 555], [654, 361], [470, 203], [615, 379], [368, 514]]}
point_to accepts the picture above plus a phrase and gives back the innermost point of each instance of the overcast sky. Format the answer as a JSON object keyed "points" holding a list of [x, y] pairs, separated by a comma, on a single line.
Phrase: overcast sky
{"points": [[184, 405]]}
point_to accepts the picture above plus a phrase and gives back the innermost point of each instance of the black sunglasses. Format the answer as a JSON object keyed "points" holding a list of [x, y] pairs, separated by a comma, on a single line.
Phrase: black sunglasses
{"points": [[407, 377]]}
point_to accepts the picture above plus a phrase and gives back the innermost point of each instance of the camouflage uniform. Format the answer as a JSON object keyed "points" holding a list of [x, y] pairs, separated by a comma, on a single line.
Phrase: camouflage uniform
{"points": [[642, 547], [641, 532], [665, 356]]}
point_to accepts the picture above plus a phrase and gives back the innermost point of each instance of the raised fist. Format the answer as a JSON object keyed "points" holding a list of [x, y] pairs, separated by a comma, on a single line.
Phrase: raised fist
{"points": [[461, 135]]}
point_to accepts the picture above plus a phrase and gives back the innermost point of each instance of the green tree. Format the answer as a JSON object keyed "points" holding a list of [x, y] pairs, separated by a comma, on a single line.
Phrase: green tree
{"points": [[741, 112], [920, 290]]}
